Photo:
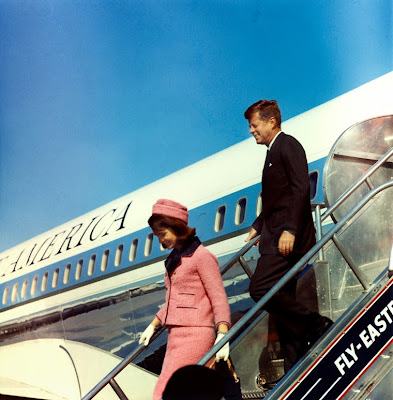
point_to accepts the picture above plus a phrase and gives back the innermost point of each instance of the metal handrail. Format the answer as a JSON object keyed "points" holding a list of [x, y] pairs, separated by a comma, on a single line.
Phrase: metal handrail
{"points": [[293, 271], [390, 266], [259, 305], [109, 378], [361, 180], [344, 196], [238, 257]]}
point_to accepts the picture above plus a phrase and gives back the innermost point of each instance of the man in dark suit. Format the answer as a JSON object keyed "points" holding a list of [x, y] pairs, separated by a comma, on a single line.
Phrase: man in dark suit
{"points": [[286, 231]]}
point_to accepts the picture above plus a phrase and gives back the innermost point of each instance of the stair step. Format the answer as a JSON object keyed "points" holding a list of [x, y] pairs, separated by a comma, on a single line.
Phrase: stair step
{"points": [[255, 394]]}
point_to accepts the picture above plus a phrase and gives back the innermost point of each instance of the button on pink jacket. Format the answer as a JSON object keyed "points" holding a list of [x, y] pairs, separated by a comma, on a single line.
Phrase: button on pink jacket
{"points": [[195, 294]]}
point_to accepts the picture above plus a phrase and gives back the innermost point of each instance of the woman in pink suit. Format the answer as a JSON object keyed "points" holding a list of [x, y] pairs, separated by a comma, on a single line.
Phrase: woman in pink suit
{"points": [[196, 304]]}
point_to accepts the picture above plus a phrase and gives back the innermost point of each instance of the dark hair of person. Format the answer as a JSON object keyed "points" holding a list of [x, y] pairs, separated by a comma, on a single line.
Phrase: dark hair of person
{"points": [[265, 109], [180, 228], [194, 382]]}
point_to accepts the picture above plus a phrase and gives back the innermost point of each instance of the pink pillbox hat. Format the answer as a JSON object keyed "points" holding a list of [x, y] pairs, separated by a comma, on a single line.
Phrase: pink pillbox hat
{"points": [[170, 208]]}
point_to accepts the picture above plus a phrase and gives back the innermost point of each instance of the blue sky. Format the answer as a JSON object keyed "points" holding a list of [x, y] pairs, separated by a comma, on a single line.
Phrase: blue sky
{"points": [[99, 98]]}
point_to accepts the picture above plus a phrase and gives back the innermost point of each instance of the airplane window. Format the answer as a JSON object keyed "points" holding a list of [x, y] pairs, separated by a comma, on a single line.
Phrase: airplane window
{"points": [[92, 264], [313, 175], [24, 289], [78, 271], [240, 212], [149, 244], [104, 260], [5, 294], [14, 292], [55, 277], [67, 273], [258, 209], [220, 219], [44, 282], [133, 250], [119, 255], [34, 286]]}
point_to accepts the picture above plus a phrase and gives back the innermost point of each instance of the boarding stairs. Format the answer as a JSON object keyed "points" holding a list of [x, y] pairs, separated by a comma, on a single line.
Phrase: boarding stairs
{"points": [[346, 276]]}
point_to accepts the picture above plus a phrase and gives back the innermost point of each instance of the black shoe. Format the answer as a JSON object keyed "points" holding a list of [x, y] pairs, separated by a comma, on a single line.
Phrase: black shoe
{"points": [[323, 326], [326, 323], [311, 338], [271, 385]]}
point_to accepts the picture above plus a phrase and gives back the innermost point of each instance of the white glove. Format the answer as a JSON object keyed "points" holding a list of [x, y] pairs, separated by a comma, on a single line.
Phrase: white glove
{"points": [[223, 353], [147, 334]]}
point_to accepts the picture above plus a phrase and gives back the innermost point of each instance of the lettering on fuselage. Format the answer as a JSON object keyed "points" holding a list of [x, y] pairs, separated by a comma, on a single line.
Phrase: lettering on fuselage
{"points": [[89, 231]]}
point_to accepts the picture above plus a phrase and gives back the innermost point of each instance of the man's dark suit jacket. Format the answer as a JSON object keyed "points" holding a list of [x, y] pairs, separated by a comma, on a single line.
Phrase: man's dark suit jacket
{"points": [[285, 197]]}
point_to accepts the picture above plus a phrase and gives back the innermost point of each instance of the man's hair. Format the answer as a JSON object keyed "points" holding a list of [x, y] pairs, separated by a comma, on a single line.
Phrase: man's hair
{"points": [[180, 228], [265, 110]]}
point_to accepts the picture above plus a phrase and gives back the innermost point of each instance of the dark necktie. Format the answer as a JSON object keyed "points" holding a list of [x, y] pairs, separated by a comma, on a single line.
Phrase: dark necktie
{"points": [[266, 159], [265, 166]]}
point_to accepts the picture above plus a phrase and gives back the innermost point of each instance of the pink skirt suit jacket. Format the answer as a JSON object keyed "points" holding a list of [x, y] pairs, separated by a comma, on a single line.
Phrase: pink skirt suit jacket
{"points": [[195, 303]]}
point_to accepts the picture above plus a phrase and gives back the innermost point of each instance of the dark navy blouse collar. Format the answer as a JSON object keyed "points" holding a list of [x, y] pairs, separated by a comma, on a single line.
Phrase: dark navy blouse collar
{"points": [[175, 256]]}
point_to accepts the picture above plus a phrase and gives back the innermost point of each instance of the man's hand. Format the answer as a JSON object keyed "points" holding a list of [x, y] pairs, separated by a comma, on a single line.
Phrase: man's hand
{"points": [[251, 235], [285, 243]]}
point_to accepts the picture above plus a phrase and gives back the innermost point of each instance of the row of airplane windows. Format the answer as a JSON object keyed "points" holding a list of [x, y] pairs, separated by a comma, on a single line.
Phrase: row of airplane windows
{"points": [[219, 222]]}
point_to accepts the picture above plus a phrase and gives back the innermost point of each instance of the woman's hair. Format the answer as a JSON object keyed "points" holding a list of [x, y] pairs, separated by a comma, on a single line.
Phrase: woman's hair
{"points": [[180, 228]]}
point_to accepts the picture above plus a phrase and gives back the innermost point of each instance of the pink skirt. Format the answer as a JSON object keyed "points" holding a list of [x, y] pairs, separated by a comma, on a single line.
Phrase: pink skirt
{"points": [[186, 346]]}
